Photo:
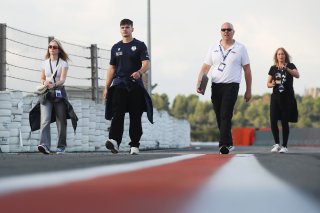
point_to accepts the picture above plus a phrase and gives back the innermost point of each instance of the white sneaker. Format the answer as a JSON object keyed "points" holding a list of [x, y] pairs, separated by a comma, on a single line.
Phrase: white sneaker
{"points": [[134, 150], [283, 150], [112, 145], [276, 148], [231, 148]]}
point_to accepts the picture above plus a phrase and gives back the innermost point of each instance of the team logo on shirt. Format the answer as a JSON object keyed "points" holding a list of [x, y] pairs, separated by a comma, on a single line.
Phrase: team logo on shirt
{"points": [[133, 48], [118, 53]]}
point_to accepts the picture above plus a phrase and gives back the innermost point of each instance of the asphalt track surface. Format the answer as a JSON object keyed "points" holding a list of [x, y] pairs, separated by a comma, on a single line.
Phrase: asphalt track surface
{"points": [[189, 180]]}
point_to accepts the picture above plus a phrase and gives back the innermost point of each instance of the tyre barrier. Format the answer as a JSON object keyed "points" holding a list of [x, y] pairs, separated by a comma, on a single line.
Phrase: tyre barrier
{"points": [[92, 130]]}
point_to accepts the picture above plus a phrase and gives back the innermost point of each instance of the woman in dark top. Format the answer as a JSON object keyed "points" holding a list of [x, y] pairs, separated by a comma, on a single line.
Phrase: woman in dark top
{"points": [[283, 105]]}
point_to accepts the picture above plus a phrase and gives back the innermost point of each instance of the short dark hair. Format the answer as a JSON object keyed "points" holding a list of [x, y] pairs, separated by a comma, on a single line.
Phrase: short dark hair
{"points": [[126, 22]]}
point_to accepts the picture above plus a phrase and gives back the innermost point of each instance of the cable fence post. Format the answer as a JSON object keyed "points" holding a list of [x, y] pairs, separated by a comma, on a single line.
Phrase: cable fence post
{"points": [[50, 38], [149, 73], [3, 61], [94, 72]]}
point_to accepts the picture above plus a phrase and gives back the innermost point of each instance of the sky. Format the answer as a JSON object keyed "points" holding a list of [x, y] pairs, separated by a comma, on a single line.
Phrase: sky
{"points": [[182, 31]]}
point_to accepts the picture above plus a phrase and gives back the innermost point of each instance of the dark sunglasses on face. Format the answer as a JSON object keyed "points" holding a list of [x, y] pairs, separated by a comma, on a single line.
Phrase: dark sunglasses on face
{"points": [[53, 47], [226, 29]]}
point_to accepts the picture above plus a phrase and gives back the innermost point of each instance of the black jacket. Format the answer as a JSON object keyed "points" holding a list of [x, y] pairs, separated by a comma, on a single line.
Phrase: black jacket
{"points": [[148, 107], [35, 116]]}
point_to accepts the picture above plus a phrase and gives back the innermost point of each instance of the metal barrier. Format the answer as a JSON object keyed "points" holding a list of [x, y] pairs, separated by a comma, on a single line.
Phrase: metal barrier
{"points": [[21, 54]]}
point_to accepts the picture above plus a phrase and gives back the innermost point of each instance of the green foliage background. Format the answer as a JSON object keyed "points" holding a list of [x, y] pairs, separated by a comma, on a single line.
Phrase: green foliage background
{"points": [[254, 114]]}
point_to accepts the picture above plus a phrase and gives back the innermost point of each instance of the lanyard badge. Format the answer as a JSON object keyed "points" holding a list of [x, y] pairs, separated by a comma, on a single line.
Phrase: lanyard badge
{"points": [[222, 65], [58, 94]]}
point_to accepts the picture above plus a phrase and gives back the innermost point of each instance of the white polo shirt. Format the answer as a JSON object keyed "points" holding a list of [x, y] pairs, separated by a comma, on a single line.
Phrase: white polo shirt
{"points": [[46, 66], [234, 61]]}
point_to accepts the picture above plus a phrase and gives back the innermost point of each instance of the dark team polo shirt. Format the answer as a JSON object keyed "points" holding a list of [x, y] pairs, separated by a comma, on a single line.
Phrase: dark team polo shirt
{"points": [[283, 76], [127, 58]]}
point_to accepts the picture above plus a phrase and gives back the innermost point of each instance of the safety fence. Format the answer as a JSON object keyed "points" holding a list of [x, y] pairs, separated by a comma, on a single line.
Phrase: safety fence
{"points": [[21, 55]]}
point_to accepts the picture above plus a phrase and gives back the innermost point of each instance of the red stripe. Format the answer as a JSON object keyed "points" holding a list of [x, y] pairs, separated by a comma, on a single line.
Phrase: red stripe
{"points": [[162, 189]]}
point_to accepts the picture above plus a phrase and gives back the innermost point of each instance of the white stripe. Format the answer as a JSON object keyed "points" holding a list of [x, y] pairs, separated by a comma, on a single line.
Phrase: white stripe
{"points": [[243, 185], [17, 183]]}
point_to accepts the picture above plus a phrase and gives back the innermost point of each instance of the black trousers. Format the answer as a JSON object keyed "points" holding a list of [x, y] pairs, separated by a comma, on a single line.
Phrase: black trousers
{"points": [[277, 113], [127, 101], [224, 97]]}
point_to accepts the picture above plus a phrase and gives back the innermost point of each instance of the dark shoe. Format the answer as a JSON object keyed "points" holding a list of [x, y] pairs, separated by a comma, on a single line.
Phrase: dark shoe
{"points": [[61, 150], [224, 150], [43, 149], [112, 145]]}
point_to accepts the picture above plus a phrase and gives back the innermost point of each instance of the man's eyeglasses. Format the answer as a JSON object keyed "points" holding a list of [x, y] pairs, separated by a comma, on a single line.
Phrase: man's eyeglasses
{"points": [[53, 47], [226, 30]]}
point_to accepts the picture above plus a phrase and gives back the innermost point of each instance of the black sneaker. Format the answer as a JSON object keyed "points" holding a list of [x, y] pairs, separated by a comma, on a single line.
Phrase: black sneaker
{"points": [[224, 150], [112, 145], [43, 149]]}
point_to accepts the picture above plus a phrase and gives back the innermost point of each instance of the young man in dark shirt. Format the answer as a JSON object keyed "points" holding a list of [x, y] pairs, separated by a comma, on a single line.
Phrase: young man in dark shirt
{"points": [[124, 90]]}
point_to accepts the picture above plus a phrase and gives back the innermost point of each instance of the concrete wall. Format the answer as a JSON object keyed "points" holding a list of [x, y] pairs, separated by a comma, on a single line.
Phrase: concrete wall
{"points": [[92, 130], [303, 136]]}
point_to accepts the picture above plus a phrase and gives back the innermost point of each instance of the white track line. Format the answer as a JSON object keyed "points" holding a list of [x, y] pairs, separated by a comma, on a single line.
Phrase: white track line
{"points": [[243, 185], [18, 183]]}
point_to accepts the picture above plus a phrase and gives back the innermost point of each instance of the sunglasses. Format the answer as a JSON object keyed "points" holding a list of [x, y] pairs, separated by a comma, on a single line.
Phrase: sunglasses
{"points": [[226, 29], [53, 47]]}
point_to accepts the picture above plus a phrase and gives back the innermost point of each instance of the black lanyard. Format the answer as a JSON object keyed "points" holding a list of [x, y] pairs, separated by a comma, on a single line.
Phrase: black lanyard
{"points": [[54, 77], [224, 56]]}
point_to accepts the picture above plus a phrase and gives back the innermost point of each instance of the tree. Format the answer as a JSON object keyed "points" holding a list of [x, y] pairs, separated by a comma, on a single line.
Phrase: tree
{"points": [[255, 113], [179, 107], [160, 102]]}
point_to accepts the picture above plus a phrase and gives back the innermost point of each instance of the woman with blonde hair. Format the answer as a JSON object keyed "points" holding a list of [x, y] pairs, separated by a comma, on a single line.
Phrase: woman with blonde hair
{"points": [[283, 105], [54, 105]]}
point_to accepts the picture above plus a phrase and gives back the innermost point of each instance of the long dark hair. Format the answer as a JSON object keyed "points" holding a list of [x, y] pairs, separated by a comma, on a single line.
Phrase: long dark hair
{"points": [[62, 54], [288, 57]]}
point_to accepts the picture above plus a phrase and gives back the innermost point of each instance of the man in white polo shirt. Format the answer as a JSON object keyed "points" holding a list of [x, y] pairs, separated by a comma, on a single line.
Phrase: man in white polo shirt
{"points": [[226, 59]]}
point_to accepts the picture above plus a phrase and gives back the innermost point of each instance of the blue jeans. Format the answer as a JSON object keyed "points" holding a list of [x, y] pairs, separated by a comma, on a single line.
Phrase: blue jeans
{"points": [[60, 110]]}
